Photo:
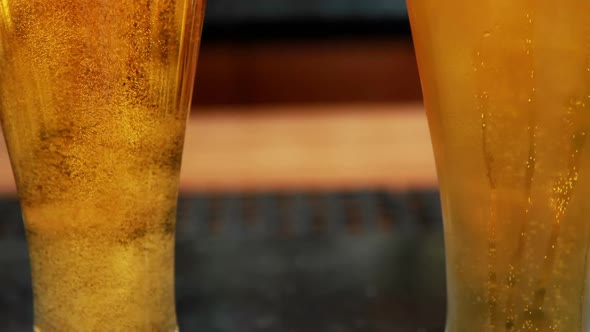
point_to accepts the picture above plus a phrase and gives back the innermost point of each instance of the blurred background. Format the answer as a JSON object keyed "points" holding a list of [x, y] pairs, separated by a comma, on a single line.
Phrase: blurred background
{"points": [[309, 200], [306, 51]]}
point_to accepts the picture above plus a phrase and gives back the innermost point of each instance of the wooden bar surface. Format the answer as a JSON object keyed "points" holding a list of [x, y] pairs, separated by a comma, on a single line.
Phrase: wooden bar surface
{"points": [[329, 147]]}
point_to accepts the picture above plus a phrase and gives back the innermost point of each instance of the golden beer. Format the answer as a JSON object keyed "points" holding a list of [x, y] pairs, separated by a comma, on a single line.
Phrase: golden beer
{"points": [[93, 104], [507, 91]]}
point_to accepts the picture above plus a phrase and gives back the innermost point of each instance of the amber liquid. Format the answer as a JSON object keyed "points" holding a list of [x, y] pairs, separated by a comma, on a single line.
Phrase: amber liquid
{"points": [[93, 104], [507, 91]]}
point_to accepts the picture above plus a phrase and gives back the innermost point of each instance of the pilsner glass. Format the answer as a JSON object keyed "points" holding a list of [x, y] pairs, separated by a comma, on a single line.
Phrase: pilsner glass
{"points": [[507, 91], [94, 97]]}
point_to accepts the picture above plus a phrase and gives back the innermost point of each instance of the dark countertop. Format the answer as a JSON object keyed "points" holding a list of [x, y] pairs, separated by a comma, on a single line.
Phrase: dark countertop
{"points": [[290, 262]]}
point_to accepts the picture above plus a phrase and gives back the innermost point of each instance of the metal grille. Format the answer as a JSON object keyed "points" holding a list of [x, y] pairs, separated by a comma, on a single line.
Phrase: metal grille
{"points": [[305, 214]]}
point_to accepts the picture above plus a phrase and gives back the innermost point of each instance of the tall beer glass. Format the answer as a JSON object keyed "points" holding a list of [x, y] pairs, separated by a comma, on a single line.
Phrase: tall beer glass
{"points": [[93, 105], [507, 91]]}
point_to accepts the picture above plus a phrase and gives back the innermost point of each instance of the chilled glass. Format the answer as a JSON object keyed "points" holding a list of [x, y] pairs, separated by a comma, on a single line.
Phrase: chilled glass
{"points": [[94, 97], [507, 90]]}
